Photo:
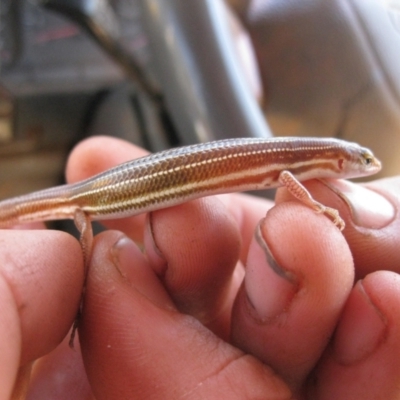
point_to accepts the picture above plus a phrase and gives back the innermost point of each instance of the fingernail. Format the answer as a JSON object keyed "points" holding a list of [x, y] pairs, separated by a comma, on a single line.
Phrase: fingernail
{"points": [[123, 253], [133, 266], [269, 287], [361, 329], [369, 209]]}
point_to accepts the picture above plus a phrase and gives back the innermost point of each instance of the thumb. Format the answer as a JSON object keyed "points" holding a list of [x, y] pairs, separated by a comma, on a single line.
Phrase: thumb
{"points": [[136, 344]]}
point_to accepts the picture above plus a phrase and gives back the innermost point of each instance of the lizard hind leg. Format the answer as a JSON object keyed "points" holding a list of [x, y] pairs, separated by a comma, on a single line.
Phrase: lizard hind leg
{"points": [[295, 187], [84, 226]]}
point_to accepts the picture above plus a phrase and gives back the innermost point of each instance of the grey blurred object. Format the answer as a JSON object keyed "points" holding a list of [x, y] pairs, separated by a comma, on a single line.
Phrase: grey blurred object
{"points": [[126, 114], [205, 87], [330, 68]]}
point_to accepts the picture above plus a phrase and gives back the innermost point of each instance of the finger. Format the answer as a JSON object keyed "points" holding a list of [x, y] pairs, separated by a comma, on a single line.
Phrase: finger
{"points": [[41, 275], [363, 361], [298, 276], [371, 215], [10, 343], [60, 375], [194, 248], [136, 345]]}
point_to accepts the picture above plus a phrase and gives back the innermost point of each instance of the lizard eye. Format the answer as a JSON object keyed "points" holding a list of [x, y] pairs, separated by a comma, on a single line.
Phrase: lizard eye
{"points": [[368, 163], [367, 158]]}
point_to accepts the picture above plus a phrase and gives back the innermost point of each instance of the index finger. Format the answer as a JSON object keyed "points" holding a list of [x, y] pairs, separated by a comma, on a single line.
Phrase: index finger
{"points": [[41, 278]]}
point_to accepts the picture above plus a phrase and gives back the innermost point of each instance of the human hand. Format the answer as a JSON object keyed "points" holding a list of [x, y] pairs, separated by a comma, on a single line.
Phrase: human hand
{"points": [[177, 321]]}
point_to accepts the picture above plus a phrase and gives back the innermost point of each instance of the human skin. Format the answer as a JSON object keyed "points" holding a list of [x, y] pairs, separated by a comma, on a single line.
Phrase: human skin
{"points": [[184, 302]]}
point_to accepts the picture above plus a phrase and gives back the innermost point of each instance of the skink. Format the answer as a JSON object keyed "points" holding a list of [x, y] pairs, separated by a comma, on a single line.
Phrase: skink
{"points": [[174, 176]]}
